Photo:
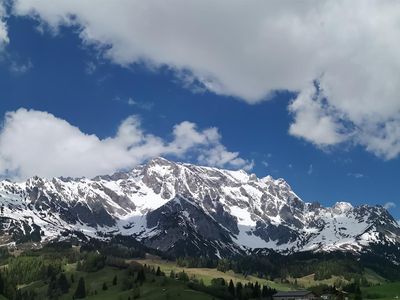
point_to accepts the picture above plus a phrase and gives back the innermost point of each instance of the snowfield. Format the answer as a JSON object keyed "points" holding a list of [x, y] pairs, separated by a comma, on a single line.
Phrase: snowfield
{"points": [[247, 212]]}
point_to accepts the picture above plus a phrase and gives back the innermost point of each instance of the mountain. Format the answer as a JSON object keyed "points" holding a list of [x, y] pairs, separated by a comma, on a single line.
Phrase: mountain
{"points": [[184, 209]]}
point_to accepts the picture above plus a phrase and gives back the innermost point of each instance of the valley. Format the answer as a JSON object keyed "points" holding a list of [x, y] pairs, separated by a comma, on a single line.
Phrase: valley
{"points": [[196, 232], [55, 271]]}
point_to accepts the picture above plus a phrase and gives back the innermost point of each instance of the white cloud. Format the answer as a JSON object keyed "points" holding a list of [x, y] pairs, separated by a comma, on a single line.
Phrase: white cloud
{"points": [[251, 49], [90, 67], [3, 27], [38, 143], [219, 156], [318, 120], [140, 104], [312, 121], [389, 205], [20, 68], [132, 102]]}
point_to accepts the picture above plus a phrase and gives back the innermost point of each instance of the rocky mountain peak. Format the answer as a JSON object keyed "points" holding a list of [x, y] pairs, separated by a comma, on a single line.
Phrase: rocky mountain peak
{"points": [[342, 207], [164, 203]]}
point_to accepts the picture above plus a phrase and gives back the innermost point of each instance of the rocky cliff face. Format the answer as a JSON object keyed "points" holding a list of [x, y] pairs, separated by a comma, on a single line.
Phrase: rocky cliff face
{"points": [[186, 209]]}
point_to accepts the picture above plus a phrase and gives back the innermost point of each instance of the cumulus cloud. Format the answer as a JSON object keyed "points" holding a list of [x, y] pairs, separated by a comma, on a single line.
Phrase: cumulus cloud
{"points": [[251, 49], [38, 143], [313, 122]]}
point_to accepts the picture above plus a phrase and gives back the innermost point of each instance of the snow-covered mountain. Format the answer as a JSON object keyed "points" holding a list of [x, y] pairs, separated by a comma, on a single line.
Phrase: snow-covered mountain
{"points": [[186, 209]]}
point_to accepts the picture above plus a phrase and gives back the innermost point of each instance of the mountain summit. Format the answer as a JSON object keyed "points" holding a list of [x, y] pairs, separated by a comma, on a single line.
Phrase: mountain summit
{"points": [[184, 209]]}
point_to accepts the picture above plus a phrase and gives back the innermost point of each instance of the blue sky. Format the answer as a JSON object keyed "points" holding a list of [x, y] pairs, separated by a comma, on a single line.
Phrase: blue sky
{"points": [[57, 72]]}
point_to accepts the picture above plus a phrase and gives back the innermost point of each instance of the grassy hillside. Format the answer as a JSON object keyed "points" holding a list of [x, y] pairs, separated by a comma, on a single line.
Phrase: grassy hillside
{"points": [[59, 274], [207, 274], [308, 281], [373, 277], [114, 272], [153, 288], [384, 291]]}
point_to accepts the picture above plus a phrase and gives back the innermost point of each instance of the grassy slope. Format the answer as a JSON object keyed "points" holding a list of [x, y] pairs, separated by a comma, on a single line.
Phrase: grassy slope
{"points": [[171, 288], [174, 289], [373, 277], [308, 281], [384, 291], [207, 274]]}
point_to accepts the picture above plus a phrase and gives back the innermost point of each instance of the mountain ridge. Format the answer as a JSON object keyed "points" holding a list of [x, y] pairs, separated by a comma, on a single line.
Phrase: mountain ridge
{"points": [[179, 207]]}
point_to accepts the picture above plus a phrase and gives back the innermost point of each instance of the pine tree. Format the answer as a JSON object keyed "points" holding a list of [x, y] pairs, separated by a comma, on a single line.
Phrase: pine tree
{"points": [[183, 276], [158, 272], [52, 290], [115, 279], [1, 284], [63, 283], [172, 274], [80, 289], [231, 288], [256, 290], [357, 295], [267, 291], [104, 286], [78, 265], [18, 295], [141, 277], [239, 289]]}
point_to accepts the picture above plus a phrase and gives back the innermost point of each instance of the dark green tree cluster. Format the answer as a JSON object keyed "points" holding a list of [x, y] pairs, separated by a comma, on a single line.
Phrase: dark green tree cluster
{"points": [[183, 276], [275, 265], [350, 289], [80, 292], [122, 251], [25, 295], [136, 276], [57, 286], [4, 254], [116, 262], [23, 270], [228, 291], [353, 288], [118, 246], [153, 270], [92, 262], [196, 262]]}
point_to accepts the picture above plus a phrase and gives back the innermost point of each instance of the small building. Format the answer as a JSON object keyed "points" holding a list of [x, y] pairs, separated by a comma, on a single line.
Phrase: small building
{"points": [[328, 297], [294, 295]]}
